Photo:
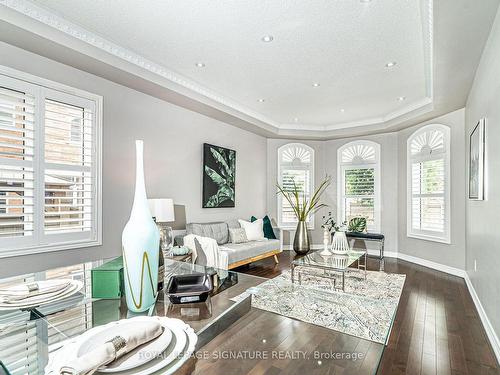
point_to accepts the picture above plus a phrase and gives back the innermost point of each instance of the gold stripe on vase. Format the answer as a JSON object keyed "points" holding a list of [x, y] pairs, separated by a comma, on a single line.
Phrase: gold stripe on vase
{"points": [[145, 260]]}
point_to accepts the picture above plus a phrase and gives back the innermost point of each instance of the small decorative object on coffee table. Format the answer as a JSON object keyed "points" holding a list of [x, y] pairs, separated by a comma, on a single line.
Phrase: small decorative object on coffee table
{"points": [[326, 242], [303, 207], [340, 245]]}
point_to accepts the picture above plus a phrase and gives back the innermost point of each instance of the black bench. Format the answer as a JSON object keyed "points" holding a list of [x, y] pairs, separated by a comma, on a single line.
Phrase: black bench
{"points": [[378, 237]]}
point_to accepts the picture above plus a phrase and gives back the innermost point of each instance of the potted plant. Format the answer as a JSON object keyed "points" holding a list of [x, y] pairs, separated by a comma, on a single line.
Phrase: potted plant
{"points": [[302, 208], [330, 229]]}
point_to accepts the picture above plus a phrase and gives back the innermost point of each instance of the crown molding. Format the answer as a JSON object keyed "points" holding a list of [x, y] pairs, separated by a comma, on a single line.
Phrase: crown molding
{"points": [[54, 21]]}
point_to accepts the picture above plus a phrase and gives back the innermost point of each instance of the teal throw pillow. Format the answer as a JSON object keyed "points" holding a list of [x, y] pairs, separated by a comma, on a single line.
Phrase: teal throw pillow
{"points": [[267, 227]]}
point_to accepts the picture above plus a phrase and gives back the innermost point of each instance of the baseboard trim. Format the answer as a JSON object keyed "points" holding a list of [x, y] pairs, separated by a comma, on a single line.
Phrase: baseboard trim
{"points": [[490, 332], [434, 265]]}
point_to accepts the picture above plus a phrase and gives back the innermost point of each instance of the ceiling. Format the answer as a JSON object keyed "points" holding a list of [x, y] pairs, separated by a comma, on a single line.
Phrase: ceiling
{"points": [[324, 74]]}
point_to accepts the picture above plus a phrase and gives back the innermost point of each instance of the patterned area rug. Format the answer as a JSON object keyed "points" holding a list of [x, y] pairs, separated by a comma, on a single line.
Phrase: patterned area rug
{"points": [[366, 309]]}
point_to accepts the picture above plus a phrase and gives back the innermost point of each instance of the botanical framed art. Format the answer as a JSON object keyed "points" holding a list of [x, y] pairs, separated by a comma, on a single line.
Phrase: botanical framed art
{"points": [[219, 173], [476, 161]]}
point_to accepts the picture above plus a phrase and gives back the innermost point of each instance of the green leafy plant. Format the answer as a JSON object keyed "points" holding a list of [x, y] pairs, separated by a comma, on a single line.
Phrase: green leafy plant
{"points": [[224, 178], [330, 224], [303, 207], [357, 224]]}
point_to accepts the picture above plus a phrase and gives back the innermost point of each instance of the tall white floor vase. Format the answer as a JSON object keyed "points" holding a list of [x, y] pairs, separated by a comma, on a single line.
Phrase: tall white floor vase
{"points": [[140, 244], [340, 245]]}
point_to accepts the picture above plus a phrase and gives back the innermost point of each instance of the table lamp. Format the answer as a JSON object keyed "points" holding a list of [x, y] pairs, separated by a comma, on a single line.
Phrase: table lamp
{"points": [[162, 211]]}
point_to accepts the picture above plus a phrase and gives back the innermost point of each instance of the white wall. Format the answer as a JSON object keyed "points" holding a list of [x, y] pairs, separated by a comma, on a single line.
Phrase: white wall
{"points": [[453, 254], [173, 139], [483, 217]]}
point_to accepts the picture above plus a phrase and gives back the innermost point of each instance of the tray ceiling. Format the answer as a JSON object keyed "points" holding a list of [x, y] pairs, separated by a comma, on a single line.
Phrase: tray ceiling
{"points": [[326, 68]]}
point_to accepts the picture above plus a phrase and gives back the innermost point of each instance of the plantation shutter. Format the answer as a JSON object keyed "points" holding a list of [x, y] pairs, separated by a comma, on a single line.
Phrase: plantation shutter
{"points": [[359, 194], [301, 180], [428, 200], [49, 168], [296, 163], [18, 346], [359, 186], [68, 180], [428, 173], [17, 135]]}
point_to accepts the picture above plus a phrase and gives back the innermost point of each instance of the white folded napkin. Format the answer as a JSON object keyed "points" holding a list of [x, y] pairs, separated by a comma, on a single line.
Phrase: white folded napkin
{"points": [[33, 292], [104, 354]]}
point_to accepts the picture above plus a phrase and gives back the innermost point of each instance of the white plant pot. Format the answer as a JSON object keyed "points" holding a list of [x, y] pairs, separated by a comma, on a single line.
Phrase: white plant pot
{"points": [[340, 245]]}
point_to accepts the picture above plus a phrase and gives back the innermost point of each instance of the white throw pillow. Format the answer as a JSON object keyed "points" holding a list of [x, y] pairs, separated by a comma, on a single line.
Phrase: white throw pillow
{"points": [[254, 231]]}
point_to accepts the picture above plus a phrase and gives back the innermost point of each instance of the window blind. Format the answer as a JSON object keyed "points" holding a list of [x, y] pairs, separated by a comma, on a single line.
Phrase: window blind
{"points": [[296, 165], [49, 168], [17, 111], [301, 180], [428, 187], [18, 349], [358, 186], [68, 159], [428, 200], [359, 194]]}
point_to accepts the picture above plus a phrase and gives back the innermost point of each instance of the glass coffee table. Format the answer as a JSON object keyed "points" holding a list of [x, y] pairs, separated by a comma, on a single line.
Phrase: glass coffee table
{"points": [[332, 265]]}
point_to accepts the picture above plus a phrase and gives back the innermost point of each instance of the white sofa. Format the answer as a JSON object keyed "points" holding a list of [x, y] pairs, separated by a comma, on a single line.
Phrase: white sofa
{"points": [[238, 254]]}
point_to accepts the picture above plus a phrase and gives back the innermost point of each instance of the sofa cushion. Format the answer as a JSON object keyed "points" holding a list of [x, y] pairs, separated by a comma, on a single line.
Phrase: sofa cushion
{"points": [[237, 235], [253, 230], [217, 231], [233, 224], [240, 251], [267, 227]]}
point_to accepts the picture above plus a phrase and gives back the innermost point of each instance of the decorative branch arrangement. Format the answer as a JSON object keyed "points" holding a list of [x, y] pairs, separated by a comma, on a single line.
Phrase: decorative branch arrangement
{"points": [[303, 207]]}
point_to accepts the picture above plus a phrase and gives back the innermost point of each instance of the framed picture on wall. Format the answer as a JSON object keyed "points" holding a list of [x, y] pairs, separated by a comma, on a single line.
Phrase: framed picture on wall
{"points": [[219, 174], [476, 161]]}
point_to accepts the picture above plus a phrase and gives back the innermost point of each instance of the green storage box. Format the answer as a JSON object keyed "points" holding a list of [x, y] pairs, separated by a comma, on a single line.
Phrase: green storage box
{"points": [[107, 280]]}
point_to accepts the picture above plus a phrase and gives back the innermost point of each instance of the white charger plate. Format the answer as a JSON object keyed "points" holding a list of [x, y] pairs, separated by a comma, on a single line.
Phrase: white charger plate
{"points": [[174, 352], [178, 352], [189, 350], [75, 287], [133, 359]]}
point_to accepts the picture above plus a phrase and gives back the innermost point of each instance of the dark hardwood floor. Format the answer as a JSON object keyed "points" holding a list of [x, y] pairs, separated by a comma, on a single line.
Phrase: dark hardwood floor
{"points": [[437, 331]]}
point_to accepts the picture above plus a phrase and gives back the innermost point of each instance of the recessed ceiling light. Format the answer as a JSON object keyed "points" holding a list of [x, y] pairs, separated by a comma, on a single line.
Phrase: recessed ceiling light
{"points": [[262, 100], [342, 110], [296, 119], [401, 98], [390, 64], [267, 38], [365, 1], [200, 65], [316, 84]]}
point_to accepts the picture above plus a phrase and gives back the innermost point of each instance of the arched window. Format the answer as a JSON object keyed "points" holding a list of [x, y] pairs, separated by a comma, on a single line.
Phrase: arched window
{"points": [[428, 176], [359, 182], [295, 165]]}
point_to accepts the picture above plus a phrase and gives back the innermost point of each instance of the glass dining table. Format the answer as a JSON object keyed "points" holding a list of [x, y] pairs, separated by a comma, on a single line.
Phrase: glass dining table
{"points": [[28, 338]]}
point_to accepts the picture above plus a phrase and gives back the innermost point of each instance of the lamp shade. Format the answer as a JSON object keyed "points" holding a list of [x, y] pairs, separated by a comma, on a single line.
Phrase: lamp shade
{"points": [[162, 209]]}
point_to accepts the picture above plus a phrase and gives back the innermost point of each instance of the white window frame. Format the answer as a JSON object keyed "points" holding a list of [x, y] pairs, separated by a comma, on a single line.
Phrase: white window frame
{"points": [[310, 222], [47, 243], [422, 234], [342, 167]]}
